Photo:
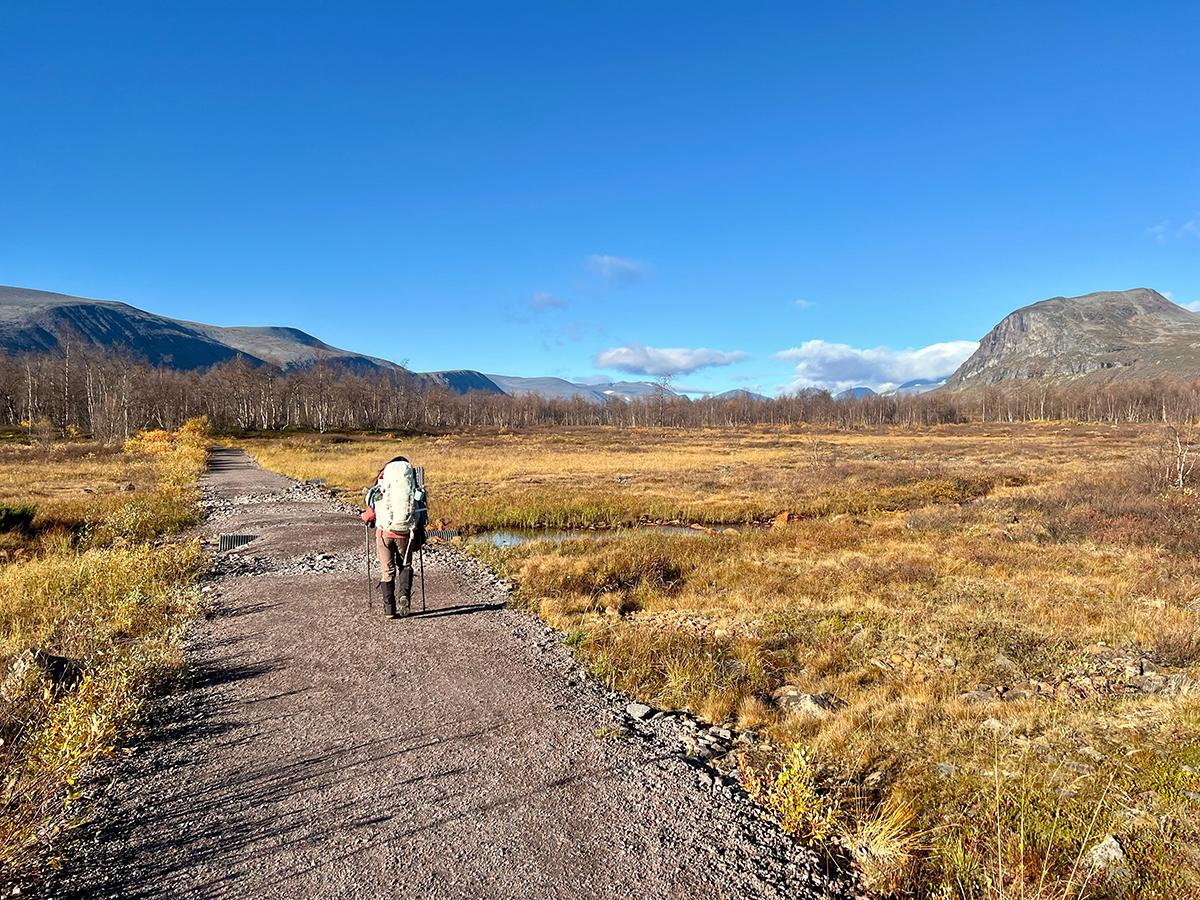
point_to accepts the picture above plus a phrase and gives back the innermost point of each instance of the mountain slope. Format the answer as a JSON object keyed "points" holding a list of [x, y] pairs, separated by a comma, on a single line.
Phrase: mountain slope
{"points": [[40, 321], [1096, 338], [37, 321], [551, 388]]}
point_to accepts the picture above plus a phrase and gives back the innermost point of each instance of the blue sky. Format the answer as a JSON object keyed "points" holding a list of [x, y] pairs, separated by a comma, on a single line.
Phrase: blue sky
{"points": [[748, 195]]}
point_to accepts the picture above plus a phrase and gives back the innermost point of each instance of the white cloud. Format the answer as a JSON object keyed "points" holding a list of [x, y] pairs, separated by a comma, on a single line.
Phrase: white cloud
{"points": [[545, 300], [1159, 232], [1194, 306], [840, 366], [1164, 231], [617, 271], [642, 360], [805, 304]]}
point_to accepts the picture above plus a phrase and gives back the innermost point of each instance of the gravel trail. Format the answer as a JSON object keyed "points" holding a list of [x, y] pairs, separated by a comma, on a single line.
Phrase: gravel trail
{"points": [[320, 750]]}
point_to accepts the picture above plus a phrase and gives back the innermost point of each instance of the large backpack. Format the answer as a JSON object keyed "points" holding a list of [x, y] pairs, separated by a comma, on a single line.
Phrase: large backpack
{"points": [[396, 508]]}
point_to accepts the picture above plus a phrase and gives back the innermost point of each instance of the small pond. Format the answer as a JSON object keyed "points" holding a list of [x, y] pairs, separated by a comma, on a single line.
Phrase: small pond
{"points": [[512, 537]]}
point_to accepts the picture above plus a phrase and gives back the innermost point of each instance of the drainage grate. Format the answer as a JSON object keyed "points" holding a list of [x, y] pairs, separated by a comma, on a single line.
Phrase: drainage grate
{"points": [[232, 541]]}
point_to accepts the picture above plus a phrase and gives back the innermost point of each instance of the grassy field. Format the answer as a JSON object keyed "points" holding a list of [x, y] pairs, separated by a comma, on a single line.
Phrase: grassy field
{"points": [[95, 595], [999, 625]]}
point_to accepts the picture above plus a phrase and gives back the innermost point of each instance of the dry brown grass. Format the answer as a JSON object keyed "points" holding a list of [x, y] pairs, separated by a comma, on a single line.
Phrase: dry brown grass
{"points": [[1009, 550], [95, 584]]}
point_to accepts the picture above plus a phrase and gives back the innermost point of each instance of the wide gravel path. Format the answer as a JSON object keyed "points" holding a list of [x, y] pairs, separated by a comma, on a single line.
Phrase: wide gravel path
{"points": [[320, 750]]}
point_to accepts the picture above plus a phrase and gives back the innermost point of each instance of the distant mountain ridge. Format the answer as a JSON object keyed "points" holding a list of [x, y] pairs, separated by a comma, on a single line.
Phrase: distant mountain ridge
{"points": [[1096, 338], [37, 321]]}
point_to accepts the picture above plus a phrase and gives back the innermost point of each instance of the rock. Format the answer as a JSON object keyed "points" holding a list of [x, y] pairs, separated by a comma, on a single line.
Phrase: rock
{"points": [[639, 711], [796, 703], [1003, 662], [974, 697], [1179, 685], [1078, 768], [722, 734], [949, 662], [1107, 856], [878, 779], [946, 769], [1100, 651], [1149, 668], [130, 487], [749, 738], [994, 725], [24, 670], [1149, 684], [780, 520]]}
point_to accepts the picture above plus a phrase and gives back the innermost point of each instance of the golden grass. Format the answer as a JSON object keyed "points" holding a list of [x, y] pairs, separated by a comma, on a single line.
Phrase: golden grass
{"points": [[93, 584], [917, 565]]}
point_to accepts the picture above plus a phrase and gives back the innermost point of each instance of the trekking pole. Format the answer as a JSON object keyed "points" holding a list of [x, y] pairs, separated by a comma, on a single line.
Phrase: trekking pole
{"points": [[367, 559], [421, 554]]}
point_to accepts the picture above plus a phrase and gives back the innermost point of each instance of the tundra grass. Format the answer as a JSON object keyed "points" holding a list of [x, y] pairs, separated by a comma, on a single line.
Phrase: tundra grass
{"points": [[96, 581], [913, 567]]}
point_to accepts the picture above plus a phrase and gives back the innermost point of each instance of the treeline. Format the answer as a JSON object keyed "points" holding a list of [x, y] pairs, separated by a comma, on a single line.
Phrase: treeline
{"points": [[112, 396]]}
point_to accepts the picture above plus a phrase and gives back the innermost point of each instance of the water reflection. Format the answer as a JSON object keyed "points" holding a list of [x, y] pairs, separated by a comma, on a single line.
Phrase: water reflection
{"points": [[512, 537]]}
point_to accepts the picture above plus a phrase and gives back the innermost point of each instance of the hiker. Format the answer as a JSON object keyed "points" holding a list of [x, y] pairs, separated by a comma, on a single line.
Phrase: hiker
{"points": [[396, 507]]}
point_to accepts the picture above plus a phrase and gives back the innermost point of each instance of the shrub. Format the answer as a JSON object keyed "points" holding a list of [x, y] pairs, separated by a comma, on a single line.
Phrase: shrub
{"points": [[18, 518]]}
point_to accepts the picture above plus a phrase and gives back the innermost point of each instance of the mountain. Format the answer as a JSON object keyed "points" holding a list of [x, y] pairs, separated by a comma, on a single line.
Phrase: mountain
{"points": [[38, 321], [920, 386], [561, 389], [462, 381], [1097, 338], [739, 394], [35, 320], [856, 393], [551, 388]]}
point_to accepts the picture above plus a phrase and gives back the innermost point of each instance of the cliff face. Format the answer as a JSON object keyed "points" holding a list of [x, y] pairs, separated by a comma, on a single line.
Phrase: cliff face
{"points": [[1106, 336]]}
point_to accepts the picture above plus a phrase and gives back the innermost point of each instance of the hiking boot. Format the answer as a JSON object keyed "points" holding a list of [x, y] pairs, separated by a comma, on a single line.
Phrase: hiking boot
{"points": [[389, 598], [405, 606]]}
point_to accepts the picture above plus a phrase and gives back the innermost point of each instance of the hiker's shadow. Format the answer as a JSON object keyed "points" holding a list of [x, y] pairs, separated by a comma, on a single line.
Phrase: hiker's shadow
{"points": [[465, 609]]}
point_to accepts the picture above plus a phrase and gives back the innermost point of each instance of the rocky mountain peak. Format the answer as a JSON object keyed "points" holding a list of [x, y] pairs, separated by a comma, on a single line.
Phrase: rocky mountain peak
{"points": [[1105, 336]]}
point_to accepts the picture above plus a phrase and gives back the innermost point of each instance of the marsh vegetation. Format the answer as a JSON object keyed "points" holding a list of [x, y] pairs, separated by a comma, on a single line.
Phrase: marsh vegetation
{"points": [[96, 591], [975, 599]]}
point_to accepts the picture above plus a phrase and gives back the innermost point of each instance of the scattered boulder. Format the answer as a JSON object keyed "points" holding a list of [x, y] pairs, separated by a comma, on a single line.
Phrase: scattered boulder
{"points": [[639, 711], [1180, 685], [946, 769], [797, 703], [1001, 661], [1108, 857], [130, 487]]}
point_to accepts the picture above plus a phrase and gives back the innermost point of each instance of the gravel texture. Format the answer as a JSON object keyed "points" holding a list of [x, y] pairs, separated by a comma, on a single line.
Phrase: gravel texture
{"points": [[320, 750]]}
